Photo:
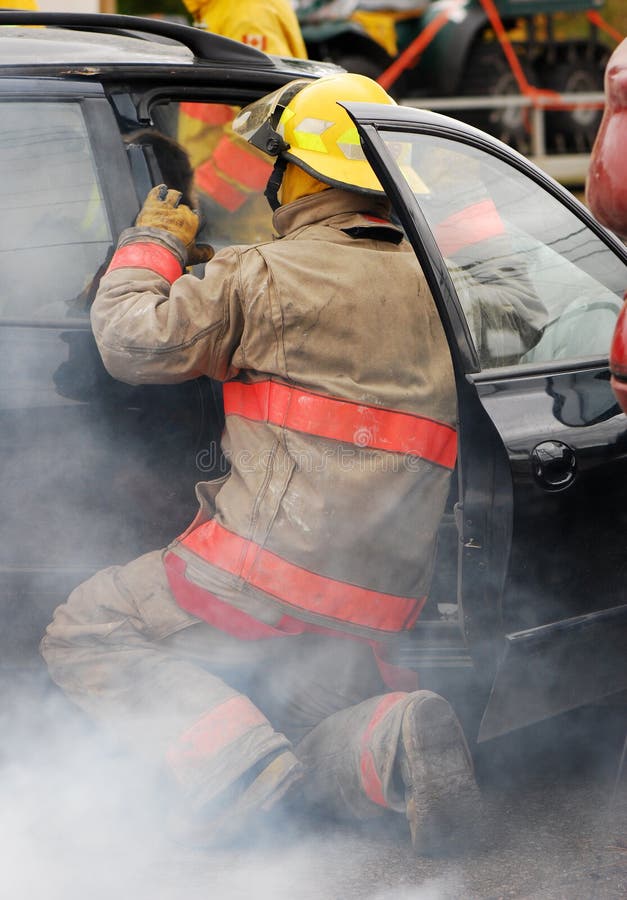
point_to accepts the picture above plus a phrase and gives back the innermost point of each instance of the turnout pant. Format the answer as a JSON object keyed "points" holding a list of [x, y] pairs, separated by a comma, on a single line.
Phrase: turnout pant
{"points": [[208, 709]]}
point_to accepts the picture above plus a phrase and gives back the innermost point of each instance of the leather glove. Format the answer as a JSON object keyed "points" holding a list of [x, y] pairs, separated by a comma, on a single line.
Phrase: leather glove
{"points": [[163, 209], [199, 253]]}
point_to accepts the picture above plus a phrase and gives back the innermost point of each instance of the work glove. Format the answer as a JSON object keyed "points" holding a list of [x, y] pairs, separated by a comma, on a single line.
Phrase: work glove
{"points": [[163, 209]]}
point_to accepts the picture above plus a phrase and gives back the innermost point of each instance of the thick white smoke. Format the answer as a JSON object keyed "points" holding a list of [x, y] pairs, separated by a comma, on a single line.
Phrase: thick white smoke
{"points": [[77, 821]]}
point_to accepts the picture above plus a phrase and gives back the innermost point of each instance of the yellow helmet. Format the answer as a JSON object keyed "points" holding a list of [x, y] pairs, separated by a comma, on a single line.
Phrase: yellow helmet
{"points": [[303, 123]]}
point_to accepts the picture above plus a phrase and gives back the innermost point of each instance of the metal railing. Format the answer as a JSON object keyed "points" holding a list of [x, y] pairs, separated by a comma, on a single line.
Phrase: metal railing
{"points": [[569, 168]]}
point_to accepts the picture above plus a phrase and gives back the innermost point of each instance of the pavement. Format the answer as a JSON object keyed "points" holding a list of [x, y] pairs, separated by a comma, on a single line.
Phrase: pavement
{"points": [[76, 821]]}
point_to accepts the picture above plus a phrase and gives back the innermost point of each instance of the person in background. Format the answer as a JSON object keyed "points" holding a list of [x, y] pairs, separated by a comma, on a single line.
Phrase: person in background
{"points": [[606, 191], [268, 25]]}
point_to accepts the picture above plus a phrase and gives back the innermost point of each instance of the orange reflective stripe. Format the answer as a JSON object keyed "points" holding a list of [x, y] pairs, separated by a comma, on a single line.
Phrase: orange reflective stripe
{"points": [[342, 420], [370, 779], [223, 616], [147, 256], [239, 163], [213, 733], [209, 113], [469, 226], [209, 180], [297, 587]]}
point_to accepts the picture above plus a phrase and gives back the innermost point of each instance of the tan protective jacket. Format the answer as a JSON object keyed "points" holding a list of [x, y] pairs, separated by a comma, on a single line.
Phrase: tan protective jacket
{"points": [[340, 413]]}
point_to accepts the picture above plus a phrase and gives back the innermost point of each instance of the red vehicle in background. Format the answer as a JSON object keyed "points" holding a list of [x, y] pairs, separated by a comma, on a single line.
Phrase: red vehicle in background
{"points": [[606, 191]]}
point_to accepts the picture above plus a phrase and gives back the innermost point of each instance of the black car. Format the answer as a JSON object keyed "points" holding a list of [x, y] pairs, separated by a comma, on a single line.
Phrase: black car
{"points": [[527, 605]]}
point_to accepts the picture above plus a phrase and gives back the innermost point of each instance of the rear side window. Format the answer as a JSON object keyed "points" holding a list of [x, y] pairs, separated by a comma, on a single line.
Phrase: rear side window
{"points": [[54, 231]]}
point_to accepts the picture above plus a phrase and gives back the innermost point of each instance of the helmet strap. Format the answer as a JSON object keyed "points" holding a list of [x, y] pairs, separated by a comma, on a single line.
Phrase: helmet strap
{"points": [[271, 192]]}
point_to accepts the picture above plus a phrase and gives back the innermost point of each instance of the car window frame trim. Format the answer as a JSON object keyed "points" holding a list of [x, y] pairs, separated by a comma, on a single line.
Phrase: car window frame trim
{"points": [[229, 95], [108, 149], [551, 367]]}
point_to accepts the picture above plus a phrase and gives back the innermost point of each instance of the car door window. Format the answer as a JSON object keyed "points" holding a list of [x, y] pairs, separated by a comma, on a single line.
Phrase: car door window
{"points": [[226, 174], [55, 231], [535, 283]]}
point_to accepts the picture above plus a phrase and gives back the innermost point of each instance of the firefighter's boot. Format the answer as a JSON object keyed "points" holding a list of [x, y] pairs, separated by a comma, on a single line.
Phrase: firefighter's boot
{"points": [[442, 801]]}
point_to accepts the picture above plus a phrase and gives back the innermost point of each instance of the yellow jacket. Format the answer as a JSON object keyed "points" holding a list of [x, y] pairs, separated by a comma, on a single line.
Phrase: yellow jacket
{"points": [[269, 25]]}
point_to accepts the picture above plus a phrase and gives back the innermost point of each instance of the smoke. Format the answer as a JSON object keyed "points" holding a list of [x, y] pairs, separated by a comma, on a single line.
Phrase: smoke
{"points": [[445, 888], [76, 818], [87, 478], [77, 821]]}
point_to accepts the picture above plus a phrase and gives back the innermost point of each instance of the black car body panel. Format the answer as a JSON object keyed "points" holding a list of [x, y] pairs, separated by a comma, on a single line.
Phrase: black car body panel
{"points": [[561, 666], [96, 472]]}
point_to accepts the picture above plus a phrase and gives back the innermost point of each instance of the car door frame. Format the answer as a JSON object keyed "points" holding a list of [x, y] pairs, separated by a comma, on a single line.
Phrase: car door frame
{"points": [[485, 507], [41, 580]]}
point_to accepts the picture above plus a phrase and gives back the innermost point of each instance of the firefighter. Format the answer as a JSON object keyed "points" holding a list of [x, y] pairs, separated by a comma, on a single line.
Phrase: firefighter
{"points": [[270, 25], [606, 192], [230, 175], [248, 659]]}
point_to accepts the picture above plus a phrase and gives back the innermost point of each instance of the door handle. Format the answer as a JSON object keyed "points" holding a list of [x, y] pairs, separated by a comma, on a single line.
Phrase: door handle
{"points": [[554, 465]]}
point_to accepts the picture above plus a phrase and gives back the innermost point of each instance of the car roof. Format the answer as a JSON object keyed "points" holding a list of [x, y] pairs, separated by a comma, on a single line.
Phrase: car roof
{"points": [[98, 39]]}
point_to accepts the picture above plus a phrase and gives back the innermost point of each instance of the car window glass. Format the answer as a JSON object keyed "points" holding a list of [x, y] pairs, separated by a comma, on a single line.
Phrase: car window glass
{"points": [[536, 284], [54, 231], [225, 175]]}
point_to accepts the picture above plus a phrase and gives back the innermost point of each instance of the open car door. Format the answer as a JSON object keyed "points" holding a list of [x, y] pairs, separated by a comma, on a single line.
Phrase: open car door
{"points": [[528, 286]]}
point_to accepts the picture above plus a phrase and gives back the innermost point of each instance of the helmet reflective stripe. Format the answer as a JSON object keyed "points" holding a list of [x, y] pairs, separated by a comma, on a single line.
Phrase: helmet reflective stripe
{"points": [[308, 134], [350, 145], [286, 115]]}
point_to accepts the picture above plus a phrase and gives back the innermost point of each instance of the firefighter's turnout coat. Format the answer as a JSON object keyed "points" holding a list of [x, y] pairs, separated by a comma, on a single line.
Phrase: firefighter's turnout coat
{"points": [[340, 415]]}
